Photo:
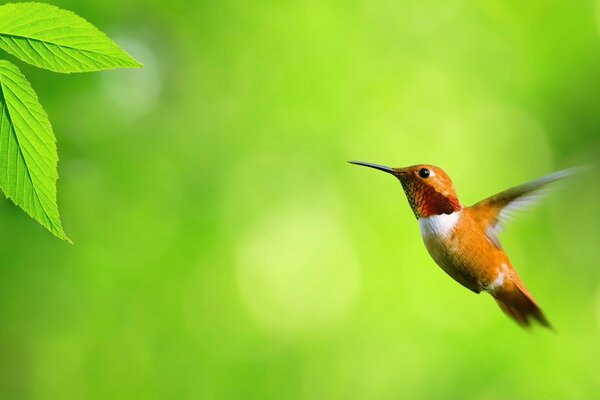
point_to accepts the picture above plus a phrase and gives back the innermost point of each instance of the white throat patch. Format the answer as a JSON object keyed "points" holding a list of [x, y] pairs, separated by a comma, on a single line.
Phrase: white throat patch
{"points": [[439, 225]]}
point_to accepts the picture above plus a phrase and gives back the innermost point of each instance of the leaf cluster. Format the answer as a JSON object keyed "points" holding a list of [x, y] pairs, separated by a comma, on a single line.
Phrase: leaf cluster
{"points": [[60, 41]]}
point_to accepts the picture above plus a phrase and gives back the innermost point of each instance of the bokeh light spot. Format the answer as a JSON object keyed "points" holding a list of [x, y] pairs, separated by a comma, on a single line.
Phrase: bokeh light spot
{"points": [[135, 91], [297, 271]]}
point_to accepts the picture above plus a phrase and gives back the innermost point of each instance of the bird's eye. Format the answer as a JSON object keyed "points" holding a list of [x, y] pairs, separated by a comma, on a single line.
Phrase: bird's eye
{"points": [[424, 173]]}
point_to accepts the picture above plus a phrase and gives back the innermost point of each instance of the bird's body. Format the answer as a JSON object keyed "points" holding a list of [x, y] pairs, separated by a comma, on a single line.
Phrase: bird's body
{"points": [[462, 240], [459, 245], [456, 243]]}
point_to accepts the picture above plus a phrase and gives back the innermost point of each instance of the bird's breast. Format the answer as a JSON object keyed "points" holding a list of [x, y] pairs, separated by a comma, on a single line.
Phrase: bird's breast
{"points": [[439, 226], [458, 244], [444, 245], [438, 235]]}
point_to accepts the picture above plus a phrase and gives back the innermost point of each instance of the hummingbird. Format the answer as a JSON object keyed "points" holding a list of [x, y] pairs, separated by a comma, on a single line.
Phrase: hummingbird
{"points": [[463, 240]]}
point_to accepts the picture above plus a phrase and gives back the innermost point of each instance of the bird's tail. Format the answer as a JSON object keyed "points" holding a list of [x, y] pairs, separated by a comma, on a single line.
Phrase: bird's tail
{"points": [[516, 302]]}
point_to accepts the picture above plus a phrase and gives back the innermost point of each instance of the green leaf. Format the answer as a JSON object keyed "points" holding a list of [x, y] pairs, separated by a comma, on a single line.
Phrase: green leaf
{"points": [[27, 150], [59, 40]]}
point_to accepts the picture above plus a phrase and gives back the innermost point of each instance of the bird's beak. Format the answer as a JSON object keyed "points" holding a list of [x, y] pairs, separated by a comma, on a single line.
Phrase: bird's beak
{"points": [[376, 166]]}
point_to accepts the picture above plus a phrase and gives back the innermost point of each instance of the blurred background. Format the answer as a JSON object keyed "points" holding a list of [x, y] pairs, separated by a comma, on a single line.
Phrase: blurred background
{"points": [[224, 249]]}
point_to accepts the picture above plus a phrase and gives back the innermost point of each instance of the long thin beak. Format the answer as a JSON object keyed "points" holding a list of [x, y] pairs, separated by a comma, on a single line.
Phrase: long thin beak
{"points": [[376, 166]]}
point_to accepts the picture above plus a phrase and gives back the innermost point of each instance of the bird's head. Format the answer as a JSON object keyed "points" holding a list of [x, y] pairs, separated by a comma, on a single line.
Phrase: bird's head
{"points": [[429, 189]]}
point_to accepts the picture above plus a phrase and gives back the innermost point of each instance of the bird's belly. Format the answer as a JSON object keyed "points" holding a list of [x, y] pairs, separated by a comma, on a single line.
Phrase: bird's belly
{"points": [[447, 258], [448, 253]]}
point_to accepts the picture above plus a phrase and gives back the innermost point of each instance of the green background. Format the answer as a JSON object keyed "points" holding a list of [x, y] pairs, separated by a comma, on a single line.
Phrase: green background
{"points": [[225, 250]]}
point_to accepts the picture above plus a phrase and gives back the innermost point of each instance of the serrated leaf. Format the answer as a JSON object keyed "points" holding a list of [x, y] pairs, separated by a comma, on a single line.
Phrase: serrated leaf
{"points": [[28, 155], [59, 40]]}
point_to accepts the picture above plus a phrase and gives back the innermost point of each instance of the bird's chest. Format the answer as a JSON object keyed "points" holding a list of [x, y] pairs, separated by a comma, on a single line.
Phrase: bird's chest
{"points": [[444, 238], [438, 234]]}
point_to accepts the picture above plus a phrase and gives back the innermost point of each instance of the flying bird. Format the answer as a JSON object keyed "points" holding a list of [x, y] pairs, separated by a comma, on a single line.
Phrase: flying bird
{"points": [[463, 240]]}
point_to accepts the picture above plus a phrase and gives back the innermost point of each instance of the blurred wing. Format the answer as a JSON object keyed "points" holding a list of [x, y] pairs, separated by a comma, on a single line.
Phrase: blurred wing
{"points": [[502, 207]]}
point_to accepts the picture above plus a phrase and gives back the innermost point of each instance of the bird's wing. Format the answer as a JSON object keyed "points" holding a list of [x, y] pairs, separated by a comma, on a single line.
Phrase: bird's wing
{"points": [[496, 210]]}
